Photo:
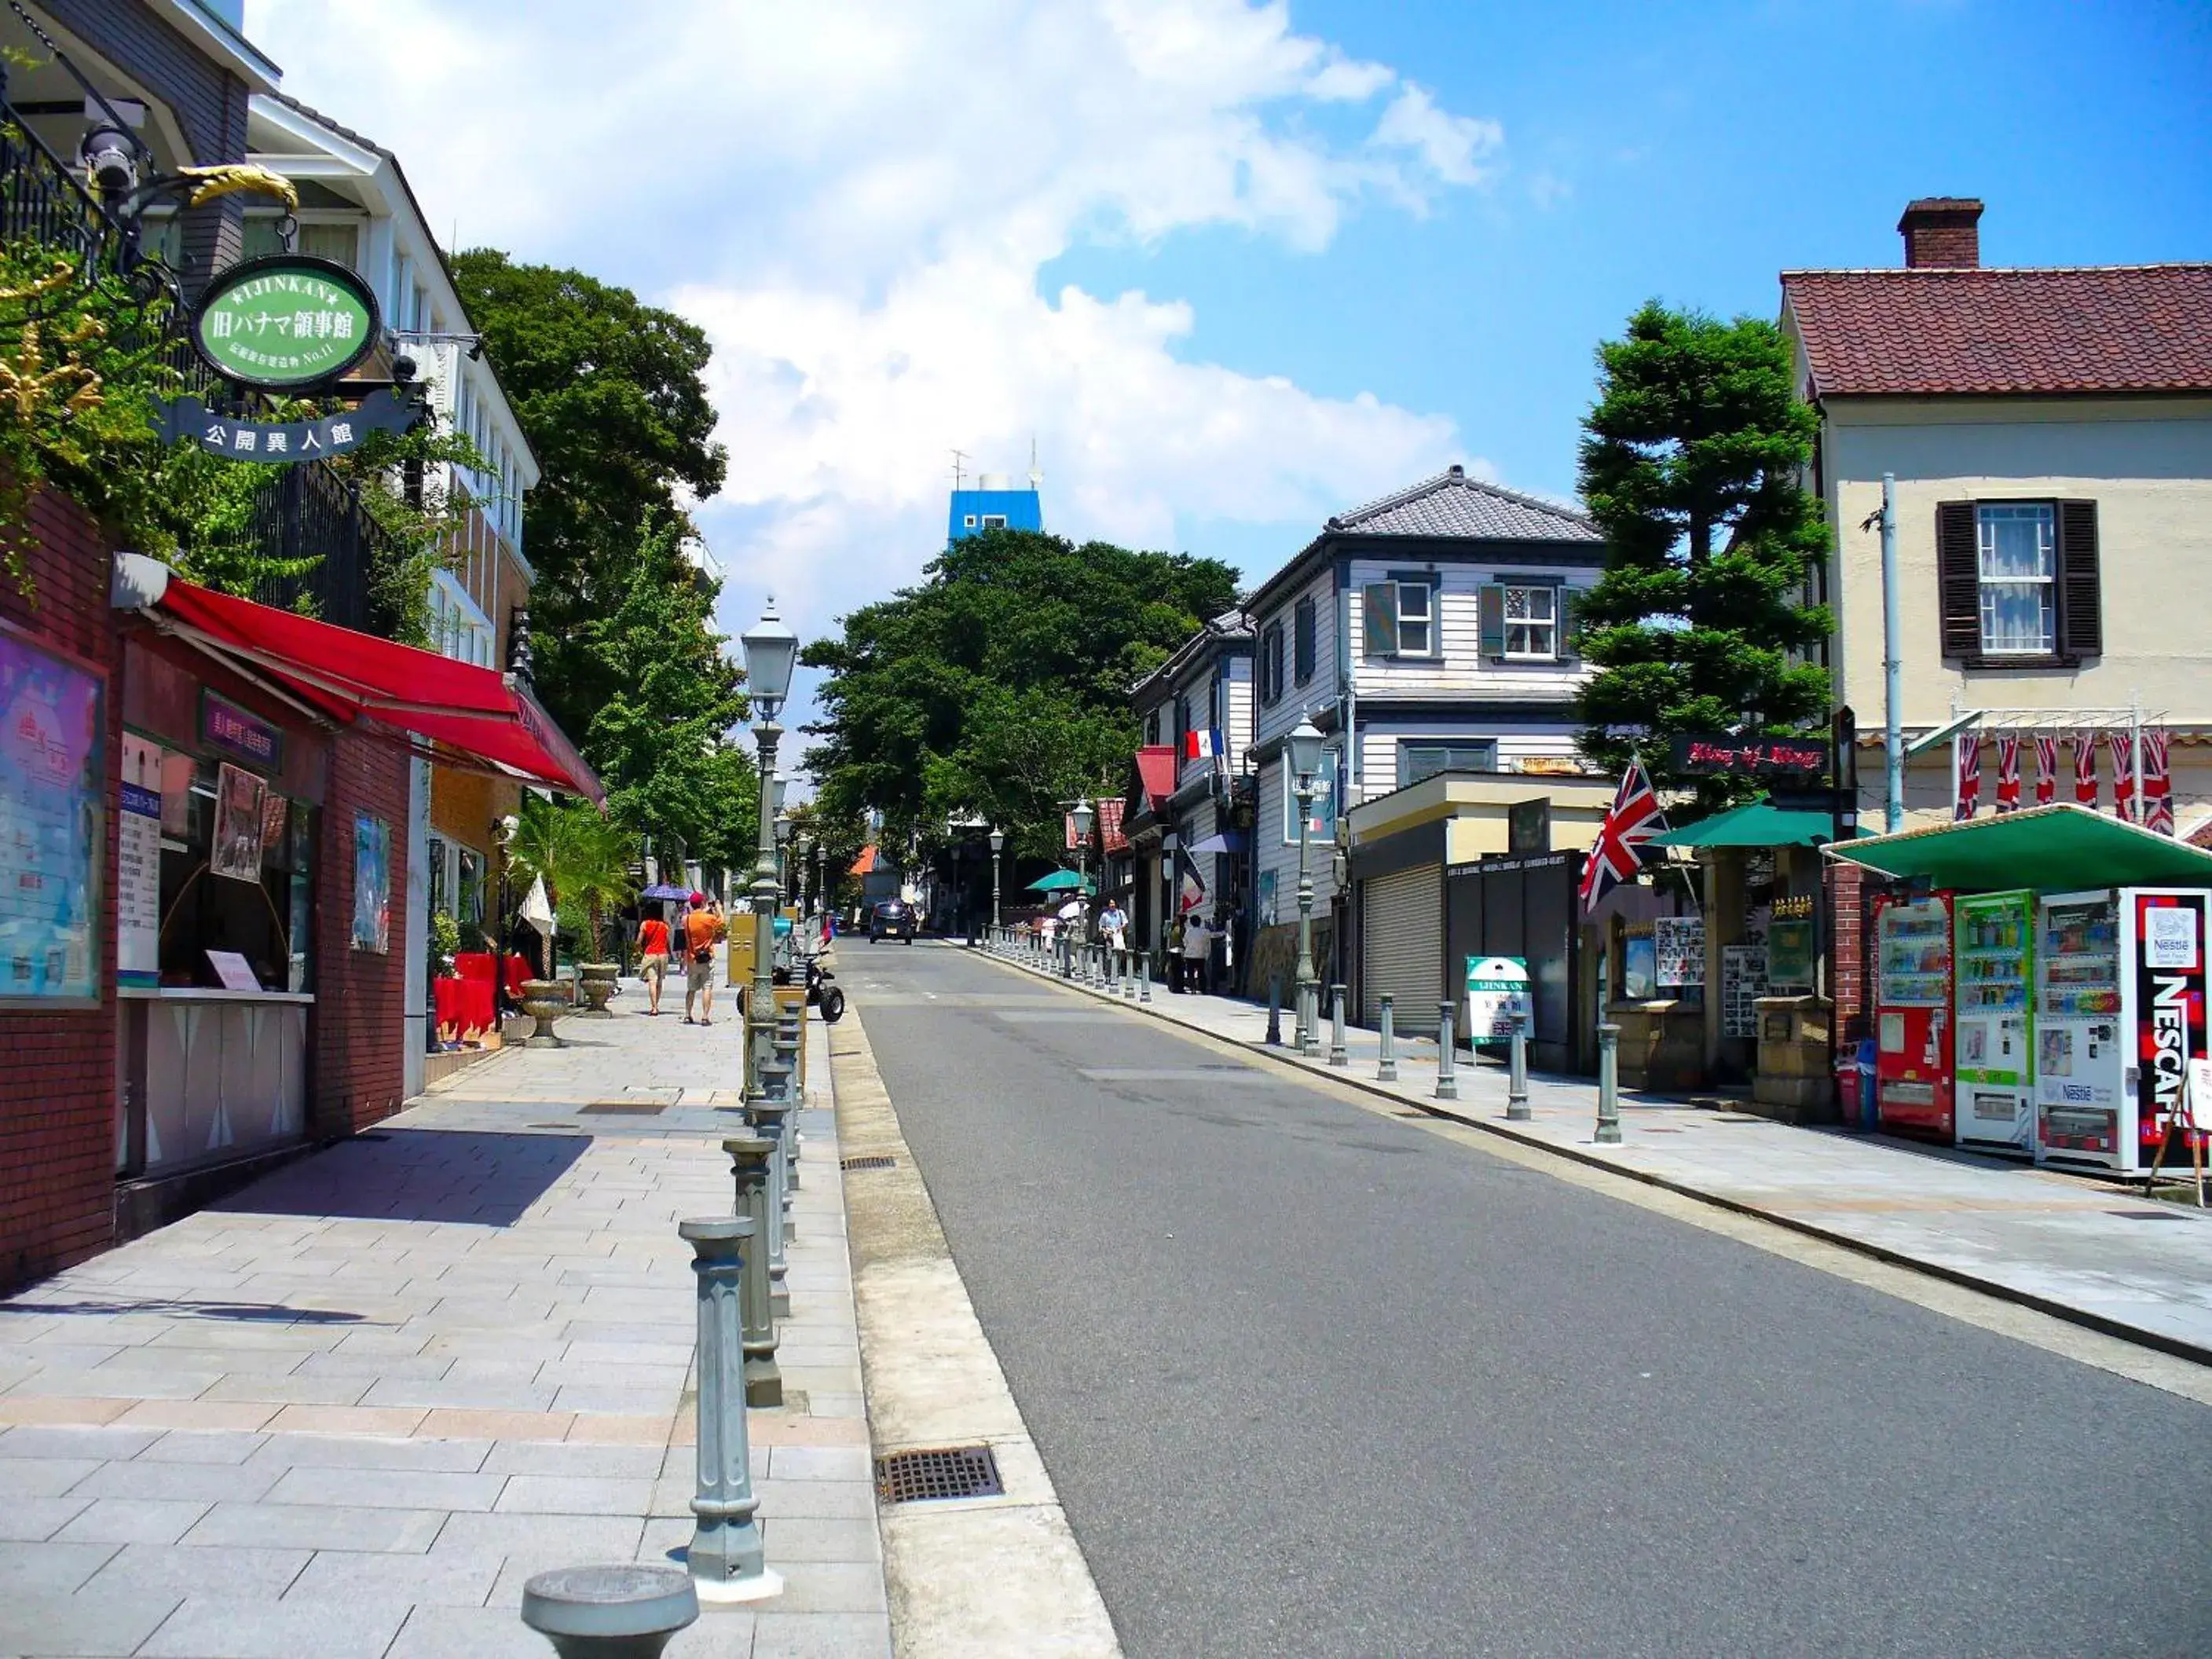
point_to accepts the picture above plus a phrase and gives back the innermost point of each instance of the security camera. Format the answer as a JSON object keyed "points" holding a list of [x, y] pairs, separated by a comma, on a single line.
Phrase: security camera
{"points": [[403, 368], [110, 157]]}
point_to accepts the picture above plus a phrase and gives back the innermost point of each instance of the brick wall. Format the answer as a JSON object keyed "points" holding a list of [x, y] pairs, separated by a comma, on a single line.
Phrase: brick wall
{"points": [[1847, 964], [361, 1029], [57, 1087]]}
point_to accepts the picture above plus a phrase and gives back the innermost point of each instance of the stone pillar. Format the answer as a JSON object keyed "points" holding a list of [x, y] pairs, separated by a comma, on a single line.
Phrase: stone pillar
{"points": [[750, 1156], [727, 1564]]}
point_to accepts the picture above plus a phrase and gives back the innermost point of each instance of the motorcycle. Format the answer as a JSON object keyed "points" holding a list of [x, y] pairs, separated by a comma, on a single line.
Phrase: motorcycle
{"points": [[823, 990]]}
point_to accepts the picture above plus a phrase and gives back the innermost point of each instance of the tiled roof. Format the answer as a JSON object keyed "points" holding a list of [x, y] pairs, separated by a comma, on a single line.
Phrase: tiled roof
{"points": [[1453, 504], [1933, 332], [343, 132]]}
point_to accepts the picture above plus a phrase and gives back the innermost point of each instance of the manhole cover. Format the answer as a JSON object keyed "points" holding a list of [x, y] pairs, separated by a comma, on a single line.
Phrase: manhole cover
{"points": [[956, 1472], [2146, 1215], [624, 1108], [867, 1162]]}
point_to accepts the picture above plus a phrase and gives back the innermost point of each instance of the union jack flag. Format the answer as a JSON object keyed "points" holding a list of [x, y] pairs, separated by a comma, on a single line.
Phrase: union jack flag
{"points": [[2046, 770], [2157, 782], [1634, 819], [2009, 772], [2121, 745], [1967, 766], [2084, 770]]}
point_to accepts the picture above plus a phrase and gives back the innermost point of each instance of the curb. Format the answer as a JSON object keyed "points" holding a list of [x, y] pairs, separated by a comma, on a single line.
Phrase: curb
{"points": [[2179, 1347]]}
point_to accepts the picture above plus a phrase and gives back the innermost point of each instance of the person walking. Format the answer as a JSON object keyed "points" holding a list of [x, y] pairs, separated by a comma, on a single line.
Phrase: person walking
{"points": [[1197, 953], [702, 929], [1175, 956], [652, 950], [1114, 922]]}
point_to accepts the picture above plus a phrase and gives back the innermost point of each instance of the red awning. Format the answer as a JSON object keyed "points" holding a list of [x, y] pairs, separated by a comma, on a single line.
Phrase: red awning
{"points": [[485, 714], [1156, 771]]}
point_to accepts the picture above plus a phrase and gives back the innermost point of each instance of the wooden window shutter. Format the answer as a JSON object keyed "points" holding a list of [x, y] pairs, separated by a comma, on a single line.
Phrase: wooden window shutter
{"points": [[1491, 613], [1379, 602], [1959, 578], [2081, 610], [1571, 623], [1302, 640]]}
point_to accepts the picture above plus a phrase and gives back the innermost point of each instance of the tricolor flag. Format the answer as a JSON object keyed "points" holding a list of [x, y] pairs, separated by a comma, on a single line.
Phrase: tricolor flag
{"points": [[1191, 889], [2158, 782], [2122, 747], [2084, 770], [2046, 770], [2009, 772], [1634, 819], [1967, 770], [1204, 745]]}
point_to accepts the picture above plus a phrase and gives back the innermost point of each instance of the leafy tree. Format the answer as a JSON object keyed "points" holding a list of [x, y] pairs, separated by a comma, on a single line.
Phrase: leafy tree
{"points": [[999, 684], [609, 393], [1691, 461], [584, 858]]}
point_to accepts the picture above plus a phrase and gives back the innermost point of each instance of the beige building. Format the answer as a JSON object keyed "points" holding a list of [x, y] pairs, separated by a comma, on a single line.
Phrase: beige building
{"points": [[2049, 432]]}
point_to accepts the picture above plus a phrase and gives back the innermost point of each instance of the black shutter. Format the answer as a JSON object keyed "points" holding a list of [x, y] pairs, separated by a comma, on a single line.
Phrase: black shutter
{"points": [[1959, 578], [2081, 612], [1301, 643], [1489, 613]]}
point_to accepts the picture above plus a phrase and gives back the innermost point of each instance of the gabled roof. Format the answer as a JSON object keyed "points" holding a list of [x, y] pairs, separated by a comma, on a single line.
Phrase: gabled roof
{"points": [[1231, 628], [1935, 332], [1453, 504]]}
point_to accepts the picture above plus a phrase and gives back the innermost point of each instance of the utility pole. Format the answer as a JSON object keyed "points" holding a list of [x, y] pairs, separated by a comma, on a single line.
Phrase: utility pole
{"points": [[1893, 736]]}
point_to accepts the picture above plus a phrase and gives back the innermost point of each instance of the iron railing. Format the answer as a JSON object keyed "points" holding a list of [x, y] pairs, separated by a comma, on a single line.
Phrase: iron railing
{"points": [[308, 516]]}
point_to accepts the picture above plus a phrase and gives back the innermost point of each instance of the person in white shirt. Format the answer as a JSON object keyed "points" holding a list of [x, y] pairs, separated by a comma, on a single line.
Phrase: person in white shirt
{"points": [[1197, 953], [1113, 921]]}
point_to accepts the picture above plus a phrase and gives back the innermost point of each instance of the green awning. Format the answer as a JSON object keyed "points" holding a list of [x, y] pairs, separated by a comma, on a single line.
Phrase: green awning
{"points": [[2050, 848], [1755, 824]]}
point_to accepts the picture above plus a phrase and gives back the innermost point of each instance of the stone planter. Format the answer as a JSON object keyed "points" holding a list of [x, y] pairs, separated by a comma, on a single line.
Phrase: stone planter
{"points": [[596, 980], [545, 1001]]}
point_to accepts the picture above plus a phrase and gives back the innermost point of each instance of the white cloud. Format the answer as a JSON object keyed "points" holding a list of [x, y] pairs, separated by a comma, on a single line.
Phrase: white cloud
{"points": [[856, 199]]}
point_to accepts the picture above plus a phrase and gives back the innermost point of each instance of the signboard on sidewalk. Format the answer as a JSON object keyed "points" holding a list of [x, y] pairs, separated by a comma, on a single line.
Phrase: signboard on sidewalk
{"points": [[1498, 998], [1743, 981], [138, 865]]}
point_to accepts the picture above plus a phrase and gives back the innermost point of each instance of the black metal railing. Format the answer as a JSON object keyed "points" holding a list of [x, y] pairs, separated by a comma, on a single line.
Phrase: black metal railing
{"points": [[330, 552]]}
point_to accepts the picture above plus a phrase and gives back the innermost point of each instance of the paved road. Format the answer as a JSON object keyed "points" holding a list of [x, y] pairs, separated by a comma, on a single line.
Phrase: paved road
{"points": [[1313, 1380]]}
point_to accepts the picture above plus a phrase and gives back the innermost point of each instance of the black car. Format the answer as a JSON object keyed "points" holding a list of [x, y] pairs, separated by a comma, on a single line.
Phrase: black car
{"points": [[891, 919]]}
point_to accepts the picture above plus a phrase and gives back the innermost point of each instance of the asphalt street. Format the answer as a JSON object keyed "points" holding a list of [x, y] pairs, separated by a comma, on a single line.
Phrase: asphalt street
{"points": [[1311, 1380]]}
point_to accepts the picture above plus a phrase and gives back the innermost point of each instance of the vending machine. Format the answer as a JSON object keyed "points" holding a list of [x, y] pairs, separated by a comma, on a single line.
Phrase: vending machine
{"points": [[2120, 984], [1993, 957], [1913, 1083]]}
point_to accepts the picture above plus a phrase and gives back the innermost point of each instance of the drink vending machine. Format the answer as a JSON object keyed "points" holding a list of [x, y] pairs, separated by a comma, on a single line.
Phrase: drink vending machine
{"points": [[1913, 1083], [2120, 988], [1994, 1050]]}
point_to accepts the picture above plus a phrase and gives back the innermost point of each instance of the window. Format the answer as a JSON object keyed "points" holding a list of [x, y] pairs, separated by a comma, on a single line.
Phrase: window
{"points": [[1302, 640], [967, 521], [440, 889], [1182, 727], [995, 521], [267, 919], [2018, 581], [1425, 758], [2016, 548], [1321, 827], [338, 241], [1520, 621], [1152, 730], [1399, 619], [1271, 663]]}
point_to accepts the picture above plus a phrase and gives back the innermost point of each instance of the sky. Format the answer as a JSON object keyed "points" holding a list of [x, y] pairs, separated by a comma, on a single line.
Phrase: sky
{"points": [[1231, 267]]}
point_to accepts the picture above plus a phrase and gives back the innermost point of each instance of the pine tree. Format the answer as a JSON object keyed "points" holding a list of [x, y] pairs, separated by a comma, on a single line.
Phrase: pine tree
{"points": [[1692, 460]]}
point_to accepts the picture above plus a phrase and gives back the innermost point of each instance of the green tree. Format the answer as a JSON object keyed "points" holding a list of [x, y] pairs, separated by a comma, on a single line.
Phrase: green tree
{"points": [[999, 684], [1691, 461], [610, 394], [584, 859]]}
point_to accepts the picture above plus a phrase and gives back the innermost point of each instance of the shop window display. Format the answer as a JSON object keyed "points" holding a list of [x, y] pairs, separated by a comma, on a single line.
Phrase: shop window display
{"points": [[237, 860]]}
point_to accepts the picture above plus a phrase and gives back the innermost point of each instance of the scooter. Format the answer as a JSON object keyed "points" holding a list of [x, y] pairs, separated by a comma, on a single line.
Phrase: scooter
{"points": [[823, 990]]}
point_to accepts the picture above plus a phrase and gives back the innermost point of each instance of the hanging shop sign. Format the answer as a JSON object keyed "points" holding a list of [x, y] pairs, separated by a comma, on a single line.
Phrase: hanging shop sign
{"points": [[242, 736], [280, 443], [285, 322], [1716, 753]]}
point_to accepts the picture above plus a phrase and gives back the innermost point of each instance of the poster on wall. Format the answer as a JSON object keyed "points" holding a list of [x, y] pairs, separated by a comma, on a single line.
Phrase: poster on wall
{"points": [[1268, 898], [1743, 981], [371, 885], [239, 800], [1789, 954], [51, 727], [1639, 968], [138, 865], [1681, 943]]}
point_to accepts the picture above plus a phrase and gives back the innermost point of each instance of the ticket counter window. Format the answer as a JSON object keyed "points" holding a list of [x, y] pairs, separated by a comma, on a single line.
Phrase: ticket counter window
{"points": [[236, 879]]}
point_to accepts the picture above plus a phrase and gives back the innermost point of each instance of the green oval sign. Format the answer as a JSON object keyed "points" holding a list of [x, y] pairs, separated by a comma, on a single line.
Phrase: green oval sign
{"points": [[285, 321]]}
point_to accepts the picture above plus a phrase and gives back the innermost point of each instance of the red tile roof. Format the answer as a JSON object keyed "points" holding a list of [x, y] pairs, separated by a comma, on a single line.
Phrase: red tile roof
{"points": [[1156, 770], [1932, 333]]}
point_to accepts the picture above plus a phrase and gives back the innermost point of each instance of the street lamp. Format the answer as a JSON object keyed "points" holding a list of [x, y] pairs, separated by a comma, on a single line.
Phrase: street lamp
{"points": [[1305, 749], [771, 652], [1083, 817], [821, 874], [798, 873], [998, 845]]}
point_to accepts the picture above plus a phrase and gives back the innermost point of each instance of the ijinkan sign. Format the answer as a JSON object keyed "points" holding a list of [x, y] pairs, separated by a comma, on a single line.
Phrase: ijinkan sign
{"points": [[285, 322]]}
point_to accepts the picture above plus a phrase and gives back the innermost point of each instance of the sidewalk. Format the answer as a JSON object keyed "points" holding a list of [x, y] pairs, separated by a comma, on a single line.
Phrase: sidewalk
{"points": [[2081, 1250], [349, 1411]]}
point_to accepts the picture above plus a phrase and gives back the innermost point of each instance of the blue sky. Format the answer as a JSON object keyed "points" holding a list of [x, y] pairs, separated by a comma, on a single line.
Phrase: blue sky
{"points": [[1233, 265]]}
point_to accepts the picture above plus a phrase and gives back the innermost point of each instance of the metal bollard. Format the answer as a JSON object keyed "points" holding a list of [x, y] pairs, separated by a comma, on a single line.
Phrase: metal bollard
{"points": [[1129, 975], [1113, 959], [1517, 1076], [726, 1561], [1145, 977], [770, 1119], [1386, 1062], [1447, 1054], [624, 1612], [750, 1156], [1275, 1011], [1338, 1054], [1609, 1085]]}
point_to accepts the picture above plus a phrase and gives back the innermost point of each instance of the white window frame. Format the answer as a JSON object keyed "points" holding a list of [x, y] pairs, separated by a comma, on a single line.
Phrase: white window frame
{"points": [[1530, 625], [967, 521], [459, 628], [1426, 621], [1987, 516], [995, 521]]}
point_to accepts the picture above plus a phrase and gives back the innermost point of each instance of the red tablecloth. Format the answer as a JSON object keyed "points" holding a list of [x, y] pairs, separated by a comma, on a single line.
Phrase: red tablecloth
{"points": [[463, 1004]]}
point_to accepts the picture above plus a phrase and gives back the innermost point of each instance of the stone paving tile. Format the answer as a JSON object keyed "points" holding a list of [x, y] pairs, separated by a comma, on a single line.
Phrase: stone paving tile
{"points": [[334, 1452], [456, 1578], [43, 1477], [17, 1408], [319, 1527], [386, 1489], [345, 1419], [69, 1624], [831, 1587], [207, 1482], [357, 1629], [203, 1446], [584, 1537], [203, 1413], [133, 1520], [525, 1458], [820, 1463], [477, 1632], [820, 1636], [575, 1494], [31, 1520], [49, 1569], [806, 1538], [824, 1500], [184, 1569]]}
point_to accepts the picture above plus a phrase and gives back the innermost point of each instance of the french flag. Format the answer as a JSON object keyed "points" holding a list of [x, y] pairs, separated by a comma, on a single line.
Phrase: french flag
{"points": [[1204, 745]]}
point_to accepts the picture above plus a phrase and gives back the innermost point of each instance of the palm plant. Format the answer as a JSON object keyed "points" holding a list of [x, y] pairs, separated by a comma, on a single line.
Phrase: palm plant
{"points": [[584, 859]]}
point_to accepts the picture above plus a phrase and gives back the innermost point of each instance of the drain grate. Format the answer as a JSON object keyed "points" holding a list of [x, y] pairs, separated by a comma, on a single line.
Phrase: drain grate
{"points": [[2146, 1215], [623, 1109], [867, 1163], [956, 1472]]}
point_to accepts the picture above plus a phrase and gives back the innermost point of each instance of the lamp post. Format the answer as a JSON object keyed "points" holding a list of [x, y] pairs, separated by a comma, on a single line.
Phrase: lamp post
{"points": [[771, 651], [805, 845], [998, 845], [821, 875], [1084, 816], [1305, 749]]}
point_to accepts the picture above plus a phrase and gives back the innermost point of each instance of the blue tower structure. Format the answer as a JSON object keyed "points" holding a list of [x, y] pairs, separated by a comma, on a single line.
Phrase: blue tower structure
{"points": [[995, 504]]}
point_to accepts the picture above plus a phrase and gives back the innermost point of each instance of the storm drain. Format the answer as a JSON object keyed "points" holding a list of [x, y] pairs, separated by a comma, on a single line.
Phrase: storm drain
{"points": [[867, 1163], [624, 1108], [2146, 1215], [911, 1476]]}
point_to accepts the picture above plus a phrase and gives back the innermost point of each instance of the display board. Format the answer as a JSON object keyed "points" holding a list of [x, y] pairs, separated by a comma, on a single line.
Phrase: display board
{"points": [[51, 726], [1743, 981], [138, 865], [1680, 945]]}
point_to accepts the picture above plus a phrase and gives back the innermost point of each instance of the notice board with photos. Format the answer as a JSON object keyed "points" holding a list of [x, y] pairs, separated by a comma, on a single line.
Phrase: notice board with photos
{"points": [[1743, 981], [1679, 943]]}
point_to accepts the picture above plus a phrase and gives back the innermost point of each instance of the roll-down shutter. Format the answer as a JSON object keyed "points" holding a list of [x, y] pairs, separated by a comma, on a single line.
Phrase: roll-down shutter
{"points": [[1402, 948]]}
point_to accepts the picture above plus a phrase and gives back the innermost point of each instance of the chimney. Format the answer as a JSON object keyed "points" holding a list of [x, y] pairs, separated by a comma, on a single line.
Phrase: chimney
{"points": [[1941, 233]]}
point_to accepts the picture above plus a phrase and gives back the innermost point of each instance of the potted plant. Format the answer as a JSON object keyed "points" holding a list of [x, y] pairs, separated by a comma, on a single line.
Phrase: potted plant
{"points": [[584, 861]]}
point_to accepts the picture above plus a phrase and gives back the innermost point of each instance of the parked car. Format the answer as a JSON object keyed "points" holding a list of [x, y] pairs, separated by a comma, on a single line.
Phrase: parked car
{"points": [[891, 919]]}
